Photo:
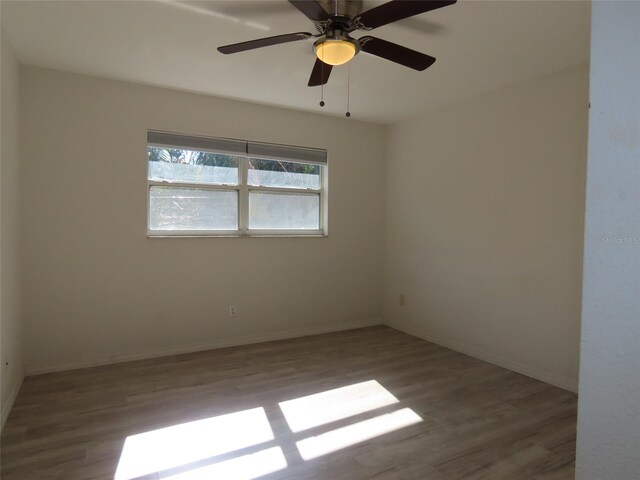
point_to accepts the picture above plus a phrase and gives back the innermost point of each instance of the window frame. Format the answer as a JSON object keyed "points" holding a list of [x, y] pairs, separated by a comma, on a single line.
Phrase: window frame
{"points": [[243, 190]]}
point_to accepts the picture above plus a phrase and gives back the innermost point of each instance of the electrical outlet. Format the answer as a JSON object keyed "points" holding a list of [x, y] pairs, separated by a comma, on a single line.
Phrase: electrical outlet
{"points": [[233, 311], [402, 300]]}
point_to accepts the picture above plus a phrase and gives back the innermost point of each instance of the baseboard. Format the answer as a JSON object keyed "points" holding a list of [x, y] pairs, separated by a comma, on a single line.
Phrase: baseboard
{"points": [[210, 345], [8, 404], [527, 370]]}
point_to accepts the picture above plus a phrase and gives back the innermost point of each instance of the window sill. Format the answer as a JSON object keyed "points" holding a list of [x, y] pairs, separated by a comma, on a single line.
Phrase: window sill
{"points": [[266, 235]]}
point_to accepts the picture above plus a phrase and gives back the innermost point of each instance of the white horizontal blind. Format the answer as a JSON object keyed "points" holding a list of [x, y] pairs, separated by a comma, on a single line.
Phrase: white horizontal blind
{"points": [[268, 151], [202, 144], [287, 153]]}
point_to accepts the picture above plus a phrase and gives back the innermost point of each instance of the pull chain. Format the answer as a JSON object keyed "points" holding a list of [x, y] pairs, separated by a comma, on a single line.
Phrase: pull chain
{"points": [[348, 114], [322, 80]]}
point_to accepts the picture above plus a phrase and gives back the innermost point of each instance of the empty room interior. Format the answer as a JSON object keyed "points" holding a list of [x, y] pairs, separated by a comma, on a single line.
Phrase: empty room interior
{"points": [[320, 239]]}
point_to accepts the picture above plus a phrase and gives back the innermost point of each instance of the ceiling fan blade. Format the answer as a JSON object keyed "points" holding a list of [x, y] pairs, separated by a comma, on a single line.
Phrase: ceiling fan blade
{"points": [[311, 9], [397, 10], [320, 73], [264, 42], [396, 53]]}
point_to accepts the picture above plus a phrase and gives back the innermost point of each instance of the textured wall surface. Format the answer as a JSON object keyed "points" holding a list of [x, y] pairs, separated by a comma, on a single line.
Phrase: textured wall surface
{"points": [[609, 405], [485, 204], [11, 316], [100, 290]]}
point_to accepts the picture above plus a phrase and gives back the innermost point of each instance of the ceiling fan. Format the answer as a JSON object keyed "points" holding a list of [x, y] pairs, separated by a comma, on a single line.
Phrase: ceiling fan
{"points": [[335, 20]]}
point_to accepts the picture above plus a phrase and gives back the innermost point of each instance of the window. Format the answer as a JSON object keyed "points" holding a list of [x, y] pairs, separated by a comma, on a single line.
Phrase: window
{"points": [[201, 186]]}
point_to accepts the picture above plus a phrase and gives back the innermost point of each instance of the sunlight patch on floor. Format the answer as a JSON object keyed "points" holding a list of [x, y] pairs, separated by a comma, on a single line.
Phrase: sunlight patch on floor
{"points": [[326, 407], [190, 442], [188, 451], [246, 467], [355, 433]]}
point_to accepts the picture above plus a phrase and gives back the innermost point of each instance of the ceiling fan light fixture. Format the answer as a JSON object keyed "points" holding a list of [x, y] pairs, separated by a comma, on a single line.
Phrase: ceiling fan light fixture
{"points": [[335, 51]]}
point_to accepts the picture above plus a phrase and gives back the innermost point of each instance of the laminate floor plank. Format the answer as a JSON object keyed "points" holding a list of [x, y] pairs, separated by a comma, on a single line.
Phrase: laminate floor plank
{"points": [[453, 417]]}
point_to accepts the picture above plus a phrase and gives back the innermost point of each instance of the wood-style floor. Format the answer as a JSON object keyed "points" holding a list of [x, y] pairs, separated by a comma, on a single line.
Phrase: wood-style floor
{"points": [[479, 421]]}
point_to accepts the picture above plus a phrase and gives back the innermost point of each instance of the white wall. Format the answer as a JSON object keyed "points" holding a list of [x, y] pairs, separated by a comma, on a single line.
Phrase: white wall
{"points": [[609, 402], [485, 222], [99, 290], [10, 227]]}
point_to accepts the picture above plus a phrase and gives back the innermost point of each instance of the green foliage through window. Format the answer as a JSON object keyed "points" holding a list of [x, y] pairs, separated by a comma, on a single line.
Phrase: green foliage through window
{"points": [[191, 157]]}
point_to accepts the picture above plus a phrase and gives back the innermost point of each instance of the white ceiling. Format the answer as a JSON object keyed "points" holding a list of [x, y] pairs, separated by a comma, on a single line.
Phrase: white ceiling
{"points": [[479, 46]]}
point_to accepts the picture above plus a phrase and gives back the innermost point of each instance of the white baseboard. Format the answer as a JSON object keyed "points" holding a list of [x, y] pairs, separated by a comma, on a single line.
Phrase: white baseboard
{"points": [[8, 404], [210, 345], [527, 370]]}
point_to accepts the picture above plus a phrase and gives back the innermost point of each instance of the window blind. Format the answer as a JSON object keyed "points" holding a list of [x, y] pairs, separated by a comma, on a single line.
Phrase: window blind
{"points": [[189, 142], [268, 151], [287, 153]]}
